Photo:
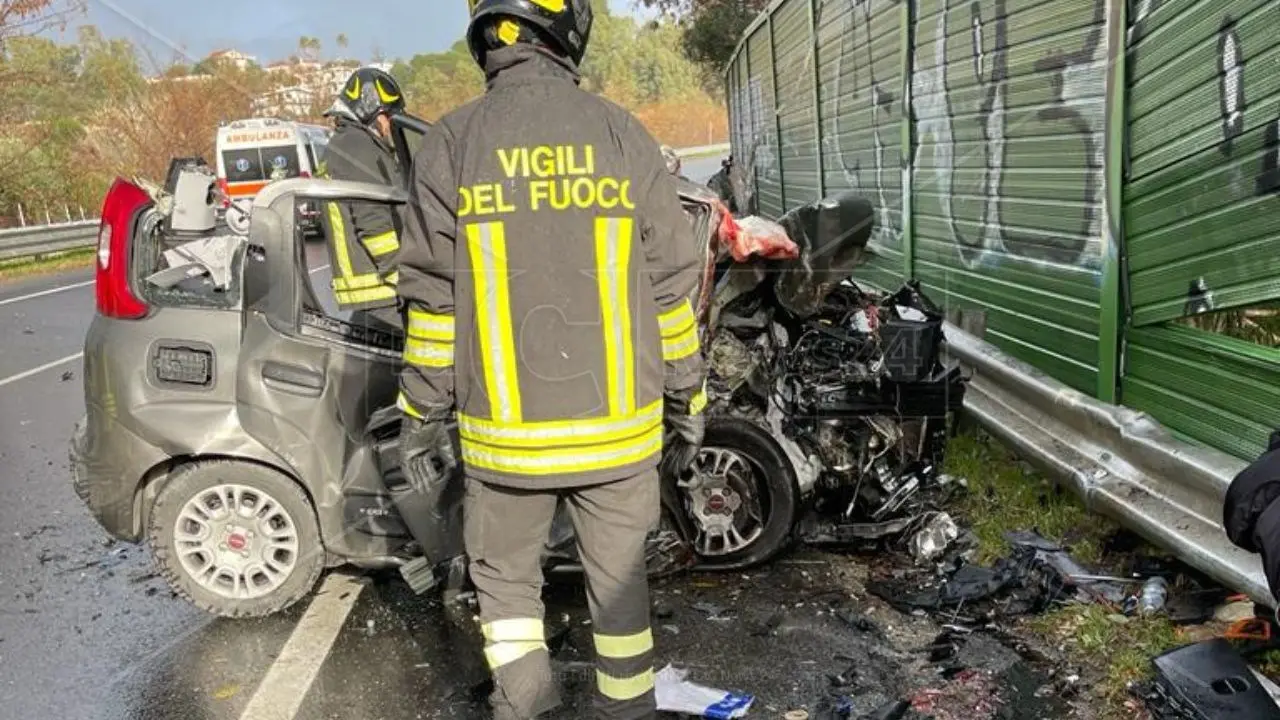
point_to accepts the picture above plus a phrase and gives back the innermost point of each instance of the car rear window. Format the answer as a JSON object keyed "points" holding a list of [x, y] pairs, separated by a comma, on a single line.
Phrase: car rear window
{"points": [[261, 163]]}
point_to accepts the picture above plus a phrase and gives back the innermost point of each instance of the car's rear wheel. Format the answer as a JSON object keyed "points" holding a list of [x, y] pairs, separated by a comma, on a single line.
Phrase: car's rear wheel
{"points": [[741, 502], [235, 538]]}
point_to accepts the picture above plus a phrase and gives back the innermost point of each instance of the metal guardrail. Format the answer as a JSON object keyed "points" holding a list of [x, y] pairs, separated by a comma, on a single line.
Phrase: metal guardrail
{"points": [[40, 240], [703, 150], [1120, 461]]}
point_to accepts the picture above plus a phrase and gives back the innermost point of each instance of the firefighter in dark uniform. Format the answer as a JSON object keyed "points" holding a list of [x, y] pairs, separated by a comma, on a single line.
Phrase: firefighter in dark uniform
{"points": [[1251, 511], [363, 238], [547, 270]]}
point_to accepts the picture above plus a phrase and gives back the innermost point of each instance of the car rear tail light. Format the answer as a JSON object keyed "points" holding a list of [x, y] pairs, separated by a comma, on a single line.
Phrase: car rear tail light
{"points": [[115, 295], [225, 190]]}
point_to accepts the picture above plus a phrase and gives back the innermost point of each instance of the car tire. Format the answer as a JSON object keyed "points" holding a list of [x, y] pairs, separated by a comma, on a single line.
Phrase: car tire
{"points": [[236, 539], [772, 478]]}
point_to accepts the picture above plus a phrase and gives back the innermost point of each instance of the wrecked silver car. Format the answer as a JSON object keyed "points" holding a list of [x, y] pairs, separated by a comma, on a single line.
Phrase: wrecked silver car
{"points": [[247, 432]]}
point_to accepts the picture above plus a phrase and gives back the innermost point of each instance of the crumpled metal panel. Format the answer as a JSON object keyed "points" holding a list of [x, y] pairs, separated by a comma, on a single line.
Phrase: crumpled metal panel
{"points": [[1202, 208], [1120, 461], [1218, 390]]}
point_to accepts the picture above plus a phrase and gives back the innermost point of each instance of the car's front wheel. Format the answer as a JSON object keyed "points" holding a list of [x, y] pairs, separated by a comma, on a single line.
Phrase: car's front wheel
{"points": [[235, 538], [741, 501]]}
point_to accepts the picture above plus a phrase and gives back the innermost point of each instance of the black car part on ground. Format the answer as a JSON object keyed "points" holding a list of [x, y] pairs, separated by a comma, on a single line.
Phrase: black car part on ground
{"points": [[1208, 681]]}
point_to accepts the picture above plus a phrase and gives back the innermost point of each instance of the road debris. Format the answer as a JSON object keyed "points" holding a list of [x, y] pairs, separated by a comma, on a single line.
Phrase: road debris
{"points": [[1208, 680], [932, 540], [1154, 593], [676, 694], [1234, 611]]}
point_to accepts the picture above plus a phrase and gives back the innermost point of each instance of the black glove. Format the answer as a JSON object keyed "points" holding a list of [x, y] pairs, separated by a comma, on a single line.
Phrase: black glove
{"points": [[426, 452], [684, 426]]}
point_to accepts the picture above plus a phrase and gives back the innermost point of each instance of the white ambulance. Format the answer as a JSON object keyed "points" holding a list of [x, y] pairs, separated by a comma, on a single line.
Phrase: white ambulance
{"points": [[256, 151]]}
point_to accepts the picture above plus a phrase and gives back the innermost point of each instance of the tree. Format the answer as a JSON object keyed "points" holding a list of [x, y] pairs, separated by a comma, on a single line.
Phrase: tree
{"points": [[309, 48], [712, 28], [341, 41], [21, 18]]}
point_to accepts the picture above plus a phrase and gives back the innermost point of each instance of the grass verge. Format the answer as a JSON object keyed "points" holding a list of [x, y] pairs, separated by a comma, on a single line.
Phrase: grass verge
{"points": [[72, 259], [1120, 647], [1006, 494]]}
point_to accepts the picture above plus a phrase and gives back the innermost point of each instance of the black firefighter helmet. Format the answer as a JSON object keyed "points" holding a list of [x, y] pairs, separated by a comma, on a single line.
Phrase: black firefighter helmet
{"points": [[368, 92], [566, 24]]}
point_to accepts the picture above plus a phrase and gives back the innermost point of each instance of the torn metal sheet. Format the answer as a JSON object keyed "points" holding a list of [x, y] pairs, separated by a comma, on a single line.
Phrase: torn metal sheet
{"points": [[212, 256]]}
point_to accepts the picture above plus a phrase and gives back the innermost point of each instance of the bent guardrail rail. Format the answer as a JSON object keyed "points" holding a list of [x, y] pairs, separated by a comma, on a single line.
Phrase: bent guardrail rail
{"points": [[39, 240], [1120, 461]]}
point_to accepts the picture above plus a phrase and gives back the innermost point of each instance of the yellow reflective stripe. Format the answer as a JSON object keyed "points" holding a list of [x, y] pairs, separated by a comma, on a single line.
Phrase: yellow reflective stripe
{"points": [[677, 320], [621, 647], [407, 407], [613, 255], [487, 245], [587, 431], [428, 353], [430, 326], [382, 244], [351, 297], [679, 348], [339, 240], [508, 652], [563, 460], [698, 402], [627, 688], [357, 282], [356, 296], [513, 630]]}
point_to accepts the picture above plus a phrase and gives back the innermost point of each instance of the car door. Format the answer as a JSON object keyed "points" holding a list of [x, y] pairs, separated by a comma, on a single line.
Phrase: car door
{"points": [[309, 381]]}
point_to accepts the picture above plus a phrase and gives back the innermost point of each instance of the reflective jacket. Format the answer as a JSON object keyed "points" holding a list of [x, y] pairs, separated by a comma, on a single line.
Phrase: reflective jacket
{"points": [[547, 270], [362, 236]]}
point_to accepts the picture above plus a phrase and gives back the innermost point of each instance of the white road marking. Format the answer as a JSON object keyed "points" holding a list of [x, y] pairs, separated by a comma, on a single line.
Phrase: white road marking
{"points": [[36, 370], [42, 293], [284, 687]]}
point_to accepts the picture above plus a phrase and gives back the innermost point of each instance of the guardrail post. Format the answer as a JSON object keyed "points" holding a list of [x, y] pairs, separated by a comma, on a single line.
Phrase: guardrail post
{"points": [[817, 101], [1112, 320], [777, 116], [908, 40]]}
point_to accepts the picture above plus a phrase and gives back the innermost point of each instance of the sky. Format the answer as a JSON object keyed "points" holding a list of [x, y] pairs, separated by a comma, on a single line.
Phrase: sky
{"points": [[168, 30]]}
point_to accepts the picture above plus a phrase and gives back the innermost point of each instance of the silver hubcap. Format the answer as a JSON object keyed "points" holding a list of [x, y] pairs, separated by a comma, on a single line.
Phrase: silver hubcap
{"points": [[721, 496], [236, 541]]}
